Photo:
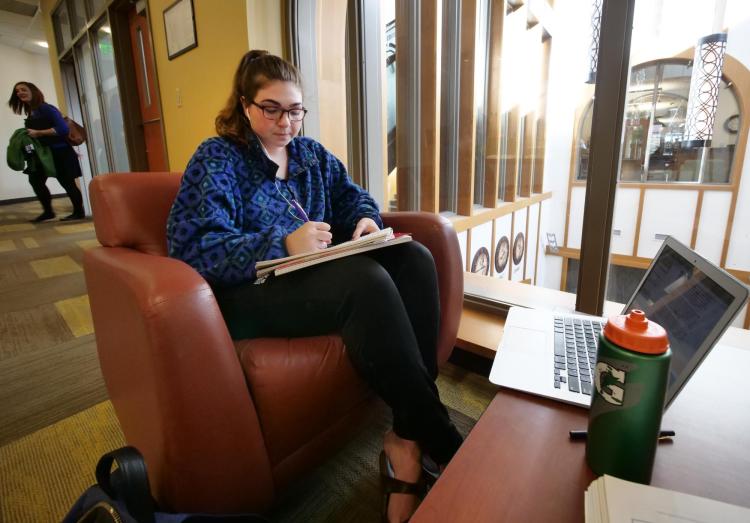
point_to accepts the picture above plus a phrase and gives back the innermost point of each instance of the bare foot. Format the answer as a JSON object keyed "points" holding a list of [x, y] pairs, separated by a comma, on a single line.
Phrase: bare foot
{"points": [[405, 457]]}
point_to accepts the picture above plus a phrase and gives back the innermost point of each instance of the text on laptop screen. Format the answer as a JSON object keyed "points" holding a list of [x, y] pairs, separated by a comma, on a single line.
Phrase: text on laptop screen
{"points": [[682, 299]]}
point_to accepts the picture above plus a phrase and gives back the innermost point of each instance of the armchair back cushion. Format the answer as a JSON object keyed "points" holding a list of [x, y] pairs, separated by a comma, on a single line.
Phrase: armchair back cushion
{"points": [[142, 223]]}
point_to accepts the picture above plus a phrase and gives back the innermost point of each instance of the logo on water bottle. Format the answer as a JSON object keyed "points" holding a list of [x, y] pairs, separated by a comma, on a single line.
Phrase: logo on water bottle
{"points": [[608, 380]]}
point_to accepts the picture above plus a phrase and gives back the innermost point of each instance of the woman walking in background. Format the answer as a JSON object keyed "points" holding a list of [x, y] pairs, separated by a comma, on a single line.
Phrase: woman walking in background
{"points": [[45, 123]]}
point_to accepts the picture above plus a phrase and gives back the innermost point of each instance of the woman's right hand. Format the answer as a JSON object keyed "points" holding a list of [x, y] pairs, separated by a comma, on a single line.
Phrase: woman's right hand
{"points": [[311, 236]]}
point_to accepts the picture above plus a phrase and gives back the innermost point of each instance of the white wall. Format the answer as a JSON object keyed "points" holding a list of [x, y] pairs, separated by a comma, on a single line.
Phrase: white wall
{"points": [[738, 256], [567, 72], [19, 66]]}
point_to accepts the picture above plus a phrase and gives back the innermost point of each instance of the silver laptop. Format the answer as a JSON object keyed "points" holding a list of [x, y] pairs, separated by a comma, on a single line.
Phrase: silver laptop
{"points": [[553, 355]]}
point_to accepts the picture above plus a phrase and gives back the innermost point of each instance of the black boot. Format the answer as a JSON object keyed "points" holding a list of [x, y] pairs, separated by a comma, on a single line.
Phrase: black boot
{"points": [[77, 215], [46, 215]]}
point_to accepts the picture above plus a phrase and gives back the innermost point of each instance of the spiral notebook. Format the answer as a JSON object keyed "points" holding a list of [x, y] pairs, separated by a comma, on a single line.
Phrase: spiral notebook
{"points": [[369, 242]]}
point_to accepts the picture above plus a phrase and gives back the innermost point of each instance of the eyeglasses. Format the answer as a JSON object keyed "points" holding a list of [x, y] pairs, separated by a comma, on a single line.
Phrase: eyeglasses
{"points": [[275, 113]]}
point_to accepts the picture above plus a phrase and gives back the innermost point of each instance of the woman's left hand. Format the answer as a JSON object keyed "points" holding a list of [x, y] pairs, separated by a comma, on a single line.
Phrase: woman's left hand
{"points": [[34, 133], [365, 226]]}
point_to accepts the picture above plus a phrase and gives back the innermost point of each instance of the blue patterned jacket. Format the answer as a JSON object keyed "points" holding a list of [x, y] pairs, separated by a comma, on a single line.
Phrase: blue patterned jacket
{"points": [[229, 212]]}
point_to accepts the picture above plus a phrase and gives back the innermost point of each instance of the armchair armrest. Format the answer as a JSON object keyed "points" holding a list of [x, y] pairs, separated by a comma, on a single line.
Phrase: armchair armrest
{"points": [[437, 234], [173, 374]]}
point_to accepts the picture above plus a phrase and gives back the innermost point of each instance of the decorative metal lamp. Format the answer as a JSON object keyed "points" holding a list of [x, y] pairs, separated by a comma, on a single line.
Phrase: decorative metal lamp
{"points": [[704, 90], [596, 25]]}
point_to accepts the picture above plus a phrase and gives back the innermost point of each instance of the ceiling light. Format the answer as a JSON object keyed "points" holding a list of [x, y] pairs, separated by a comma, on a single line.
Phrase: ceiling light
{"points": [[42, 43]]}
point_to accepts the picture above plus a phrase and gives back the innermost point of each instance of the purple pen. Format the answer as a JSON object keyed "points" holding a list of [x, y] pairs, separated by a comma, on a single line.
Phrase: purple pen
{"points": [[300, 211]]}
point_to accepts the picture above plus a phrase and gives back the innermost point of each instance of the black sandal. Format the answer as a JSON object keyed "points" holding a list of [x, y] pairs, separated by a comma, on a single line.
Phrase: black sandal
{"points": [[390, 485]]}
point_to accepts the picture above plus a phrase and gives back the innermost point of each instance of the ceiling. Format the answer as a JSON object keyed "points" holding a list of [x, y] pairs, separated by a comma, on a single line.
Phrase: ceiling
{"points": [[21, 25]]}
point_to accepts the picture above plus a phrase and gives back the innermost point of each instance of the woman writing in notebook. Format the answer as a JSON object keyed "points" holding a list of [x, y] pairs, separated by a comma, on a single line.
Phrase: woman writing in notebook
{"points": [[259, 191]]}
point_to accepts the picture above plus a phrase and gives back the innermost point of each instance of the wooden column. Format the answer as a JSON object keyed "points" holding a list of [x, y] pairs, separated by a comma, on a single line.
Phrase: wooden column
{"points": [[510, 156], [539, 149], [406, 168], [466, 116], [429, 114], [494, 115], [527, 158]]}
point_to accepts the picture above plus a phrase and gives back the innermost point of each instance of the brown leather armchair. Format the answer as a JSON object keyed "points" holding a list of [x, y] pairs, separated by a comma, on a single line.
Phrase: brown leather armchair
{"points": [[222, 424]]}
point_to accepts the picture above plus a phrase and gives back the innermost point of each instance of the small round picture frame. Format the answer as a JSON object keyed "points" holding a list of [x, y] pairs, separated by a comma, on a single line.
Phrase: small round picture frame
{"points": [[502, 254], [480, 264], [519, 247]]}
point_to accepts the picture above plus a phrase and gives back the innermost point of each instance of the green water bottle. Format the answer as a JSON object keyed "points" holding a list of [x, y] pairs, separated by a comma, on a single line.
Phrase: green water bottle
{"points": [[630, 383]]}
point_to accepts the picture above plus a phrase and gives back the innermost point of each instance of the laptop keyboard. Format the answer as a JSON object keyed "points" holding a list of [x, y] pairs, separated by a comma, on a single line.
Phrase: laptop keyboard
{"points": [[576, 341]]}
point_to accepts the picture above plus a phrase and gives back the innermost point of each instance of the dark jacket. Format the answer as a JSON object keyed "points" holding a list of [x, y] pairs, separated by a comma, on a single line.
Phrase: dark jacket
{"points": [[27, 154]]}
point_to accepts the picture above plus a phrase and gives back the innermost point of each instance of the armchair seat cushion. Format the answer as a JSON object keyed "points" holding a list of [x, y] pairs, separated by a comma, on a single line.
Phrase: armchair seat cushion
{"points": [[301, 387]]}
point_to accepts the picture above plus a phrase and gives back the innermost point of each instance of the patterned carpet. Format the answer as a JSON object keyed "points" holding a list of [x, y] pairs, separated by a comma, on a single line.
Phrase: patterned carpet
{"points": [[56, 421], [43, 473], [48, 364]]}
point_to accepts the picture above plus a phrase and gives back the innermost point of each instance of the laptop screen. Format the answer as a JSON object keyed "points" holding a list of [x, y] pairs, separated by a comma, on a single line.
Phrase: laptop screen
{"points": [[685, 301]]}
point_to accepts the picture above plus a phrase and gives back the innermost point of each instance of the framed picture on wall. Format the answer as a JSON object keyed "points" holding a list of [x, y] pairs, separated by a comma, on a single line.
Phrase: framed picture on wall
{"points": [[179, 28]]}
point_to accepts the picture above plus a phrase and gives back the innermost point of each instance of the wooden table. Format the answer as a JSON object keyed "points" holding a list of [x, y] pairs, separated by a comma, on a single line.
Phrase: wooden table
{"points": [[518, 464]]}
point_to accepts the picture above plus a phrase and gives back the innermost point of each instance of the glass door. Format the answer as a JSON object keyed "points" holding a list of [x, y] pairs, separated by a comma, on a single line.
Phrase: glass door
{"points": [[90, 102], [110, 95], [75, 111]]}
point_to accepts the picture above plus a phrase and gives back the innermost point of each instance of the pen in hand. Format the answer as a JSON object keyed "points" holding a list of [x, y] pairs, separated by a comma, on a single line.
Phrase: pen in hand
{"points": [[300, 211]]}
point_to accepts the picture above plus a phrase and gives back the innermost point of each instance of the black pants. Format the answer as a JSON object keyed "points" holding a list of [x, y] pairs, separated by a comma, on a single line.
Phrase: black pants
{"points": [[67, 170], [385, 306]]}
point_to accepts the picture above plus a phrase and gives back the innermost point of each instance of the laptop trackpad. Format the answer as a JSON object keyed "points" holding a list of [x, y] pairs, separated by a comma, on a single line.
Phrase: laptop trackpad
{"points": [[529, 342]]}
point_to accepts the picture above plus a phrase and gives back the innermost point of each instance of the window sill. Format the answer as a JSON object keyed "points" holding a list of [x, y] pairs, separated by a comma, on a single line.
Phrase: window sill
{"points": [[481, 330], [485, 214]]}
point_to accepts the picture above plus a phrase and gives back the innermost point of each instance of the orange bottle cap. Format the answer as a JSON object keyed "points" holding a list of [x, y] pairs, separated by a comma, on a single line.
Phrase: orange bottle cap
{"points": [[635, 332]]}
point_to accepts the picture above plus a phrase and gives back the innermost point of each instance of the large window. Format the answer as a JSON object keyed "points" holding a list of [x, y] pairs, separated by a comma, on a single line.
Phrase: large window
{"points": [[482, 100], [668, 184], [654, 146]]}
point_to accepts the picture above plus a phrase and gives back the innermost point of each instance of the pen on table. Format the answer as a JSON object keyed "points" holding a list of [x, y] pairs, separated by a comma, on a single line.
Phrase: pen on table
{"points": [[300, 211], [579, 435]]}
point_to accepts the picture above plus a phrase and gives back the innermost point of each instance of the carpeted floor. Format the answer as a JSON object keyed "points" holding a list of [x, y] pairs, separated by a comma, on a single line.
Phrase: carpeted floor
{"points": [[48, 364], [43, 473], [346, 488], [55, 421]]}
